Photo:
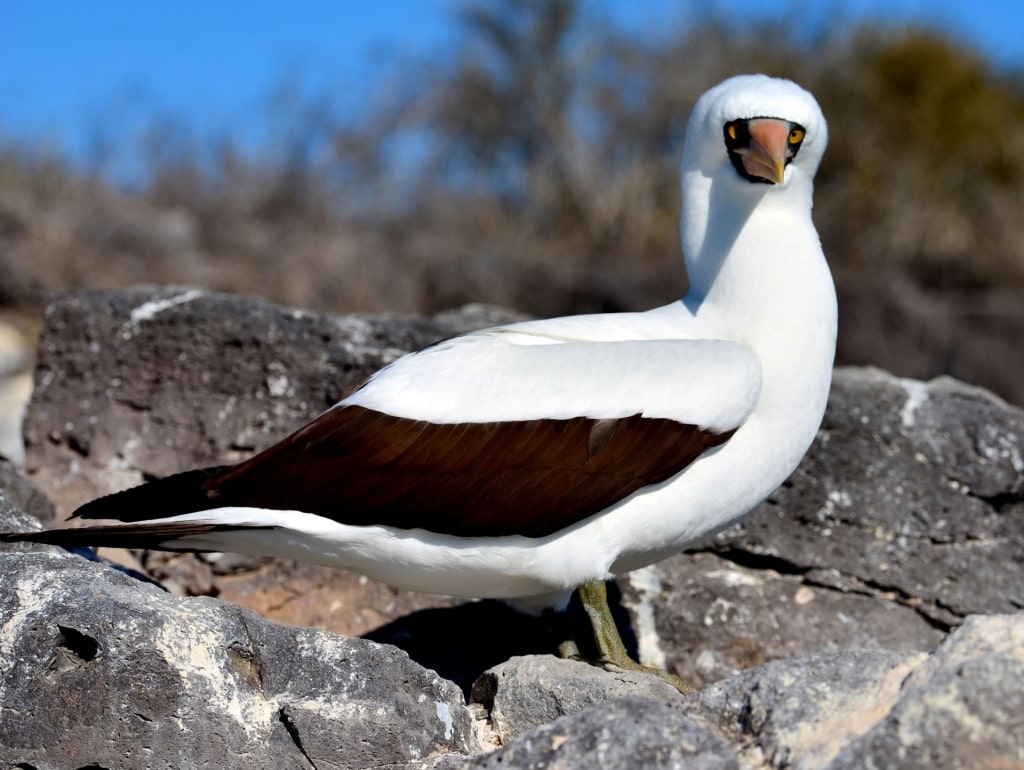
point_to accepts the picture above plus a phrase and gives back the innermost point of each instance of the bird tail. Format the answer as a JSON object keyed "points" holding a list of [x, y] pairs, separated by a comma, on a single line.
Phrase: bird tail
{"points": [[158, 535], [151, 516]]}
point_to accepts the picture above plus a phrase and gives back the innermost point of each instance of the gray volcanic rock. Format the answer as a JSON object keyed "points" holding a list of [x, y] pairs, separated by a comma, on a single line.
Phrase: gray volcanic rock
{"points": [[625, 734], [960, 707], [526, 692], [99, 669], [804, 711], [23, 494]]}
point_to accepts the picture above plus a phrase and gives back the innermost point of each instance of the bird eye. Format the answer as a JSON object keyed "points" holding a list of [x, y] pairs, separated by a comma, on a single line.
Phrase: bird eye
{"points": [[796, 136], [731, 130]]}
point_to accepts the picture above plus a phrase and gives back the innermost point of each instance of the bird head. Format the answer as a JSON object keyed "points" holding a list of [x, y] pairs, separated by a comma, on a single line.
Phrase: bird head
{"points": [[756, 131], [753, 145]]}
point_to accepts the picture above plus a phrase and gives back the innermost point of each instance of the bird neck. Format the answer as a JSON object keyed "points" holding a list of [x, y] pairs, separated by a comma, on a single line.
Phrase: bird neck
{"points": [[748, 246], [757, 272]]}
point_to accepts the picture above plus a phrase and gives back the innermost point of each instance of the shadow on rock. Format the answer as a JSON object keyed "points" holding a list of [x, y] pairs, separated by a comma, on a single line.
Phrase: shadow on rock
{"points": [[462, 642]]}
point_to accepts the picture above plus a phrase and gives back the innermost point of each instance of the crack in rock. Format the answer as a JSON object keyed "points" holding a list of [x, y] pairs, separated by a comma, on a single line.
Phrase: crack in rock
{"points": [[293, 733], [930, 612]]}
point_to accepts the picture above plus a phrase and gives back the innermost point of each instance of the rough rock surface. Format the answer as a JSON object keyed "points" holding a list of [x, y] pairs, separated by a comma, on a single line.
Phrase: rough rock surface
{"points": [[960, 707], [527, 692], [99, 669], [811, 617], [624, 734]]}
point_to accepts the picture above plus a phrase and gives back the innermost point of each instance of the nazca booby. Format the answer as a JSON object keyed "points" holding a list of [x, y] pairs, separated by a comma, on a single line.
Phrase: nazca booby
{"points": [[522, 462]]}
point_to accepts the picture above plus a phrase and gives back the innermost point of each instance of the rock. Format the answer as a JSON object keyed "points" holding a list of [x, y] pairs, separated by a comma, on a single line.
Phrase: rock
{"points": [[526, 692], [963, 707], [899, 534], [98, 669], [916, 489], [23, 495], [803, 711], [710, 618], [622, 734]]}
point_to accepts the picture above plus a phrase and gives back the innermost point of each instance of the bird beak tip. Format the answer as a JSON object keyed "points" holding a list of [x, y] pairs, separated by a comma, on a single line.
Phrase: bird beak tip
{"points": [[768, 149]]}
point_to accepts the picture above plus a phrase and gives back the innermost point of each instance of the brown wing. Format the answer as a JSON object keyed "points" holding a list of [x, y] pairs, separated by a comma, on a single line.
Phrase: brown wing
{"points": [[363, 467]]}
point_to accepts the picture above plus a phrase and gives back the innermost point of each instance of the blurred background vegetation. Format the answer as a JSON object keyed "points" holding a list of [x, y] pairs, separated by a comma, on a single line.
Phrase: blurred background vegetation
{"points": [[536, 166]]}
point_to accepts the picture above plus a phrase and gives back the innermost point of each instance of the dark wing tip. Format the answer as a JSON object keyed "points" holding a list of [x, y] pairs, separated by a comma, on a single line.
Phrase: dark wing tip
{"points": [[153, 535], [16, 537], [170, 496]]}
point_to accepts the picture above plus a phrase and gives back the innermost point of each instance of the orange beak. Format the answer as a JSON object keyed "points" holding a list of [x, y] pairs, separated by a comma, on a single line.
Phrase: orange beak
{"points": [[769, 149]]}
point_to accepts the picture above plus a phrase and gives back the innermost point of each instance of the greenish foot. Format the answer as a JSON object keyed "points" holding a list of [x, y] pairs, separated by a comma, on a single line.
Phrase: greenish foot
{"points": [[611, 650]]}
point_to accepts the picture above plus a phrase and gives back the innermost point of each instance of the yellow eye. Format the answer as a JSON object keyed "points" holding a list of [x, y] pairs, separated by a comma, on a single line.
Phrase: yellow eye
{"points": [[731, 130], [796, 136]]}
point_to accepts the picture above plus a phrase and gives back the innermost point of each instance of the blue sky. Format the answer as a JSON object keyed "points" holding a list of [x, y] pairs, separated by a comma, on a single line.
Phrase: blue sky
{"points": [[68, 66]]}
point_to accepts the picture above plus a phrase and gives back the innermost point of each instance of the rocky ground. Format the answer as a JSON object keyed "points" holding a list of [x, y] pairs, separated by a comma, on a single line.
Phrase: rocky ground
{"points": [[869, 614]]}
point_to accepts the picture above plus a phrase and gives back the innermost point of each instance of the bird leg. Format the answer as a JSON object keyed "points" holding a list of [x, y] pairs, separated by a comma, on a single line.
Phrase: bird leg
{"points": [[611, 650]]}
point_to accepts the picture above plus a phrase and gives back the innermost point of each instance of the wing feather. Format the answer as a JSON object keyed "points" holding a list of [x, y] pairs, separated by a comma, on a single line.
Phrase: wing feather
{"points": [[362, 467]]}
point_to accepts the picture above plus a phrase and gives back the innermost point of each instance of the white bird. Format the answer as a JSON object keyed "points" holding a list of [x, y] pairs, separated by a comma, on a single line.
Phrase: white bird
{"points": [[525, 461]]}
